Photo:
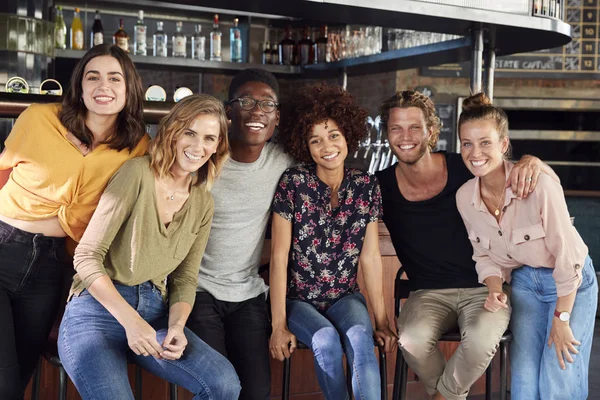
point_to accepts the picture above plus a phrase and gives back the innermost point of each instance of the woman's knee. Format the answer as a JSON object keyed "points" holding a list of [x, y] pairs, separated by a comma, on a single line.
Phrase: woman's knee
{"points": [[224, 385], [326, 345]]}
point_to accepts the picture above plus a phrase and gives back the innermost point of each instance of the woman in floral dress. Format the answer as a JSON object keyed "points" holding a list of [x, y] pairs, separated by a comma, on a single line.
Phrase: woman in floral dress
{"points": [[324, 225]]}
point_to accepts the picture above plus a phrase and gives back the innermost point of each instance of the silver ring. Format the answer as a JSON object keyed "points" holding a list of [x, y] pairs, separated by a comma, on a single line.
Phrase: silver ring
{"points": [[528, 179]]}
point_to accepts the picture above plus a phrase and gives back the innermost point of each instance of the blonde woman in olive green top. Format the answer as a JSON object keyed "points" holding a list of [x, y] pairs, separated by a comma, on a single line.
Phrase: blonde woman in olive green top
{"points": [[137, 265]]}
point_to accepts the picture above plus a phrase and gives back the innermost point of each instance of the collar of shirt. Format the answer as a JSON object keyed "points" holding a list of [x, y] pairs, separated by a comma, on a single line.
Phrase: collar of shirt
{"points": [[476, 200], [324, 190]]}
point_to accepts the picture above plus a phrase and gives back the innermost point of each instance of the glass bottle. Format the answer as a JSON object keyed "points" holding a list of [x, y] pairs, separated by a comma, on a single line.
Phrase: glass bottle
{"points": [[179, 41], [77, 41], [235, 42], [322, 49], [97, 36], [159, 41], [287, 47], [306, 51], [121, 38], [215, 41], [274, 54], [266, 56], [139, 41], [60, 30], [198, 44]]}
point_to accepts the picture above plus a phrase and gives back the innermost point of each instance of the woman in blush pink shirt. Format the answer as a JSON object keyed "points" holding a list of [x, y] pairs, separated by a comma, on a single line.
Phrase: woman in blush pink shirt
{"points": [[554, 291]]}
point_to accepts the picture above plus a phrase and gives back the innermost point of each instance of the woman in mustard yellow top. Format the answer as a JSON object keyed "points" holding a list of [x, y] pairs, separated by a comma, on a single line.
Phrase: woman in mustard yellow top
{"points": [[58, 159]]}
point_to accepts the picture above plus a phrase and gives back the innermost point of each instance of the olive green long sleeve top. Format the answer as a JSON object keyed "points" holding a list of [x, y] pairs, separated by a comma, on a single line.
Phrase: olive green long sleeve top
{"points": [[127, 241]]}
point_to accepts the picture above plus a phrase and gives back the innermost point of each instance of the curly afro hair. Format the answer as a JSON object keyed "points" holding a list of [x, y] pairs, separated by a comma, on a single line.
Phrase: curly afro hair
{"points": [[312, 105]]}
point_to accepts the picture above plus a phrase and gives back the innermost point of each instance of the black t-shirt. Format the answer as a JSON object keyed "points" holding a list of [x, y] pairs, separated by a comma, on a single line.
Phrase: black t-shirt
{"points": [[429, 236]]}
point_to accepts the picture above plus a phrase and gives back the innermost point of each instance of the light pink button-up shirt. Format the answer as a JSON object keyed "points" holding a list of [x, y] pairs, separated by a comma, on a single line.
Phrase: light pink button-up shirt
{"points": [[535, 231]]}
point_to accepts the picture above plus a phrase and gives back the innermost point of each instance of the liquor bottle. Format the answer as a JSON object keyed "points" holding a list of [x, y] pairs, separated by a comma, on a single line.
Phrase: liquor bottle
{"points": [[306, 48], [77, 41], [322, 48], [287, 47], [159, 41], [97, 36], [198, 44], [215, 41], [139, 36], [179, 42], [235, 42], [274, 54], [537, 7], [60, 30], [120, 38], [266, 56], [545, 4]]}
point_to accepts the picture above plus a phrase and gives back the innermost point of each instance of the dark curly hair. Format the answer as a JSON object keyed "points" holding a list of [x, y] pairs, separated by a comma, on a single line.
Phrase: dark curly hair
{"points": [[312, 105]]}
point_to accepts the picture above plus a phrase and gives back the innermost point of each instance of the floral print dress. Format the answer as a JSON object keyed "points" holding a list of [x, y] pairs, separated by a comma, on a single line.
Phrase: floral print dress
{"points": [[326, 242]]}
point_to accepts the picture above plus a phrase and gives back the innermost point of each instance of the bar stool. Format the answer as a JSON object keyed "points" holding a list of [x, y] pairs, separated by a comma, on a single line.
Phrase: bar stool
{"points": [[302, 346], [401, 291], [50, 353]]}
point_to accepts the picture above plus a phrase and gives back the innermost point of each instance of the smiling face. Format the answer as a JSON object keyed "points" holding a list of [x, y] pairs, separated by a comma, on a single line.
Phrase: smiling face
{"points": [[103, 86], [481, 148], [253, 127], [195, 146], [408, 134], [327, 145]]}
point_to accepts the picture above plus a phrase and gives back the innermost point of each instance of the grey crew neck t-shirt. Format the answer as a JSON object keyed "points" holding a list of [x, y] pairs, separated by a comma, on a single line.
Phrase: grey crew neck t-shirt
{"points": [[243, 195]]}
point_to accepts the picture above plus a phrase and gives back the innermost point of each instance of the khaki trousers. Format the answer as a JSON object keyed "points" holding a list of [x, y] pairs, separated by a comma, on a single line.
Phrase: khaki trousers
{"points": [[427, 314]]}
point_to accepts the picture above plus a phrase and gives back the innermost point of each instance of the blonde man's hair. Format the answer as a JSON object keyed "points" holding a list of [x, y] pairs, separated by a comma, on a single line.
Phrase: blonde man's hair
{"points": [[172, 127], [411, 98]]}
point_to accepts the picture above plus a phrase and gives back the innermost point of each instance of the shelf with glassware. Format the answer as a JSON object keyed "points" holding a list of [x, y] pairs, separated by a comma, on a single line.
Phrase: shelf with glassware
{"points": [[355, 48]]}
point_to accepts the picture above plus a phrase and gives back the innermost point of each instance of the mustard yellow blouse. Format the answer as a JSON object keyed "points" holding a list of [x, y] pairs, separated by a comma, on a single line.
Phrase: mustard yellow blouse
{"points": [[50, 176]]}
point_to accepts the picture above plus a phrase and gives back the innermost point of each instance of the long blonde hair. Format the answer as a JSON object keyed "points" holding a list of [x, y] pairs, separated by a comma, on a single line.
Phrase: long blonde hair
{"points": [[171, 128]]}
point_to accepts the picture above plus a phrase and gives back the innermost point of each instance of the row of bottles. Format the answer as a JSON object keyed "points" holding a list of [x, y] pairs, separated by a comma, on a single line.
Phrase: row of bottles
{"points": [[159, 38], [287, 52]]}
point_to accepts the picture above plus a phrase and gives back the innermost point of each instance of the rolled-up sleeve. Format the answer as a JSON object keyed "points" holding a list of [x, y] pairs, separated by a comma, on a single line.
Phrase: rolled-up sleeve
{"points": [[562, 239], [114, 208]]}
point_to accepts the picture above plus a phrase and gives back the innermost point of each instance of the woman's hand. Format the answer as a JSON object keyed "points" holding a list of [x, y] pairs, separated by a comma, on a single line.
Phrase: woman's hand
{"points": [[174, 344], [386, 338], [282, 343], [141, 338], [524, 176], [564, 341], [495, 301]]}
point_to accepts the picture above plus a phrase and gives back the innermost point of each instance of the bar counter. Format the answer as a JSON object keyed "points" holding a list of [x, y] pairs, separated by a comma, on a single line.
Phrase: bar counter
{"points": [[303, 382]]}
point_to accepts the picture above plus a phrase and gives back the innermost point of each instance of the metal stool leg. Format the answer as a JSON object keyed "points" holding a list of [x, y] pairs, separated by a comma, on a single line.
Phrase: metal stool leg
{"points": [[400, 377], [488, 381], [285, 388], [503, 370], [62, 383], [138, 382], [35, 387], [383, 373], [172, 391]]}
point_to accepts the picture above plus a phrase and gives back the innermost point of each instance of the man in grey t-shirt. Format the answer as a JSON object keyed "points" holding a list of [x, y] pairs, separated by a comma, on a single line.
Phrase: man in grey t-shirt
{"points": [[230, 313]]}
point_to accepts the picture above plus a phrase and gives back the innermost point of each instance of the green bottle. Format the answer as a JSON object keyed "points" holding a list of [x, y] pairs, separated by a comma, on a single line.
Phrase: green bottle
{"points": [[60, 30]]}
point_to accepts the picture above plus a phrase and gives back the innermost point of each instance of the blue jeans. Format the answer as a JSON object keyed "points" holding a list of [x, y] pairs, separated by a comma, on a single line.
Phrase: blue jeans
{"points": [[344, 328], [535, 372], [93, 349]]}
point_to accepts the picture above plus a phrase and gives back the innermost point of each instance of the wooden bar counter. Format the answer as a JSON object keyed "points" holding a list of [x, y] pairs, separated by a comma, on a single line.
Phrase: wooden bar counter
{"points": [[303, 382]]}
